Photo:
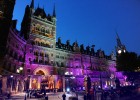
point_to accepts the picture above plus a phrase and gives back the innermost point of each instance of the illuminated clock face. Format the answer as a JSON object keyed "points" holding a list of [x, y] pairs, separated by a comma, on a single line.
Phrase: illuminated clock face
{"points": [[124, 51], [119, 51]]}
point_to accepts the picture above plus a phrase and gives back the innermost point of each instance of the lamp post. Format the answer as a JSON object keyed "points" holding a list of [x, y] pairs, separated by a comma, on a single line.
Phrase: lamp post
{"points": [[12, 81], [19, 70]]}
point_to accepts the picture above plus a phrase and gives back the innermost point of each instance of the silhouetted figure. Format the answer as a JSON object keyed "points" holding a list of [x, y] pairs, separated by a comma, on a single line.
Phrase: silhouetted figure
{"points": [[30, 94], [25, 97], [64, 96], [35, 94], [44, 92], [8, 95], [85, 97], [105, 95], [46, 98], [88, 97], [27, 93]]}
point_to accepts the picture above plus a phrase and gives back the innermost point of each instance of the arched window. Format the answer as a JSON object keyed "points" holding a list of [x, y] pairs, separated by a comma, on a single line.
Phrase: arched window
{"points": [[62, 64], [47, 31], [43, 29], [57, 64]]}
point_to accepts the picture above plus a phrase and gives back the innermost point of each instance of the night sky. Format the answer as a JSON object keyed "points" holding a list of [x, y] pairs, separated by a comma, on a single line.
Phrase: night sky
{"points": [[92, 21]]}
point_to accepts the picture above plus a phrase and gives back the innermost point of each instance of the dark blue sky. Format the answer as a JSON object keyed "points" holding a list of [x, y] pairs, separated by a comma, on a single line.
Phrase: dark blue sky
{"points": [[93, 21]]}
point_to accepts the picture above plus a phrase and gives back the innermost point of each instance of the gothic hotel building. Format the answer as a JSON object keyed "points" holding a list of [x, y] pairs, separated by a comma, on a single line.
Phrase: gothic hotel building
{"points": [[34, 51]]}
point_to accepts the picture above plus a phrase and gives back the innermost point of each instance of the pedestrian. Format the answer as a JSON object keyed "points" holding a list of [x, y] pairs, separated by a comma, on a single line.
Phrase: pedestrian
{"points": [[8, 94], [85, 97], [27, 93], [30, 94], [25, 97], [46, 97], [76, 94], [64, 96], [44, 92]]}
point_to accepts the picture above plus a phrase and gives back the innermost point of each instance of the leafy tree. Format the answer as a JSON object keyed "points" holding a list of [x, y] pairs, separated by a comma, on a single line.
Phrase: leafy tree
{"points": [[127, 62]]}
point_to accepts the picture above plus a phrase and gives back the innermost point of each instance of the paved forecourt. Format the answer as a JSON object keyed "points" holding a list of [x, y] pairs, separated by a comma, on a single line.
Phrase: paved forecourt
{"points": [[51, 96]]}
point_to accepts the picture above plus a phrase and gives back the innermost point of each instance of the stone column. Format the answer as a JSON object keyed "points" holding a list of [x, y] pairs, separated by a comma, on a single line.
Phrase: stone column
{"points": [[63, 78], [30, 82], [39, 82], [4, 85]]}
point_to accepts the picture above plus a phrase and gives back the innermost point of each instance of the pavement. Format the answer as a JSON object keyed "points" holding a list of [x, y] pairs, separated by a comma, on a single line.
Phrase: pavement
{"points": [[51, 96], [58, 96]]}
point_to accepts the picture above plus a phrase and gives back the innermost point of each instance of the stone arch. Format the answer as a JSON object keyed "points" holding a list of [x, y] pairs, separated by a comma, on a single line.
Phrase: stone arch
{"points": [[42, 53], [43, 29], [47, 43], [38, 27], [41, 70], [42, 40], [37, 41]]}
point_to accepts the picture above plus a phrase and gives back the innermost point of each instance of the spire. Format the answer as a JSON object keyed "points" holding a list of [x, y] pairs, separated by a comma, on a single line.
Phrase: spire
{"points": [[32, 4], [119, 44], [54, 13]]}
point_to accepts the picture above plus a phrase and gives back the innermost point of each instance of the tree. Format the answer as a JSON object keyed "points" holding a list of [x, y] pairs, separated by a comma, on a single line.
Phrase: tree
{"points": [[127, 62], [132, 76]]}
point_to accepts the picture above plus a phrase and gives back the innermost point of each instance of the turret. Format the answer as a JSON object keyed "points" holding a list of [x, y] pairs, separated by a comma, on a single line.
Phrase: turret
{"points": [[25, 25], [32, 7], [54, 16], [32, 4]]}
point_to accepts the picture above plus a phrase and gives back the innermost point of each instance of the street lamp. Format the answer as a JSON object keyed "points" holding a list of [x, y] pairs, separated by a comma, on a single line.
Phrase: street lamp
{"points": [[19, 70], [11, 76], [12, 81]]}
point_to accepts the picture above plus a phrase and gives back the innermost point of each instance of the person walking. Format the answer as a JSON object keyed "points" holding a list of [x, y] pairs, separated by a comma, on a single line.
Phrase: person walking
{"points": [[25, 97], [64, 96]]}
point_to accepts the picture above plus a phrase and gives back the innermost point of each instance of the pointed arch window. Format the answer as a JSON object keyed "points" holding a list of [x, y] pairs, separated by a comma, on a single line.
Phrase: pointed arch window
{"points": [[43, 29]]}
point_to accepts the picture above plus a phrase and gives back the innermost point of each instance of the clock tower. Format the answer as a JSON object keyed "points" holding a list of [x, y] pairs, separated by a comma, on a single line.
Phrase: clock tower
{"points": [[120, 48]]}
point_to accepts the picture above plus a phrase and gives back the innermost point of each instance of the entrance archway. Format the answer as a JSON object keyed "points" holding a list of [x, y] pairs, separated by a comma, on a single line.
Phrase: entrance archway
{"points": [[40, 72]]}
